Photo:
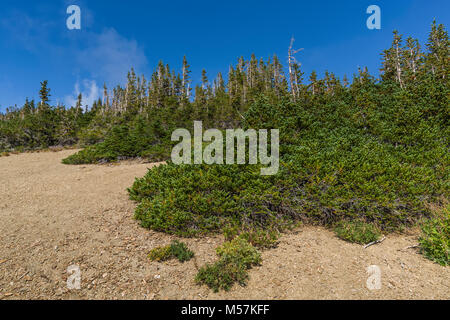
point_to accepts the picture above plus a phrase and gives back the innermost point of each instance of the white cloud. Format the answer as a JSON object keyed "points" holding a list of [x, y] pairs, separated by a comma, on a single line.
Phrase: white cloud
{"points": [[89, 91], [109, 56], [103, 56]]}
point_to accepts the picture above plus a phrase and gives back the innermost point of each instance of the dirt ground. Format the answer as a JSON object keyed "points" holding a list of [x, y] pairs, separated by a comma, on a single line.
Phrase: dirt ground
{"points": [[53, 216]]}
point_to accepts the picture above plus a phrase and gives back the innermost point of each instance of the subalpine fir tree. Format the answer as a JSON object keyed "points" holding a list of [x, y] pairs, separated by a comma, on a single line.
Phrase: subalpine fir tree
{"points": [[79, 102], [278, 76], [44, 93], [231, 83], [202, 95], [297, 80], [313, 82], [46, 121], [264, 81], [345, 81], [185, 80], [131, 95], [204, 80], [105, 96], [219, 85], [438, 57], [166, 95], [28, 107], [412, 57], [393, 62], [252, 72], [332, 84]]}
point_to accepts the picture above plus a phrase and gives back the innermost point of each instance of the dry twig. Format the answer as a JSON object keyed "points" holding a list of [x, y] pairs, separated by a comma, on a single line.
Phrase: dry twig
{"points": [[374, 242]]}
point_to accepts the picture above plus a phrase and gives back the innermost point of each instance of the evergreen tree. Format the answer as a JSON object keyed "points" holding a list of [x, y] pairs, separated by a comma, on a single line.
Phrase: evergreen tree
{"points": [[313, 82], [412, 57], [44, 93], [438, 57], [186, 83], [393, 62]]}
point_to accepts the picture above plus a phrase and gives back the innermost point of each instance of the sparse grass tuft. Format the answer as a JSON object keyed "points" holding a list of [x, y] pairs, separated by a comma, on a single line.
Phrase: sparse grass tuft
{"points": [[176, 249], [259, 238], [357, 231], [235, 258], [435, 239]]}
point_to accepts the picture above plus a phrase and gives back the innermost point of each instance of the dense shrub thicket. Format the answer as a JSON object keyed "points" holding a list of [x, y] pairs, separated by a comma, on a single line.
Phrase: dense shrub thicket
{"points": [[139, 139], [334, 166]]}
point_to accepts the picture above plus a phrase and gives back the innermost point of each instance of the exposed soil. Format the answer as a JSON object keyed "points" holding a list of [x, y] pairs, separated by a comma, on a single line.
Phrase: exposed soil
{"points": [[53, 216]]}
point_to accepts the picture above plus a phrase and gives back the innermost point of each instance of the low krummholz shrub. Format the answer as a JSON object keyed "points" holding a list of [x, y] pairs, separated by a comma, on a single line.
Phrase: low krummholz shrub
{"points": [[435, 239], [176, 249], [123, 142], [357, 231], [235, 258], [190, 200], [332, 168]]}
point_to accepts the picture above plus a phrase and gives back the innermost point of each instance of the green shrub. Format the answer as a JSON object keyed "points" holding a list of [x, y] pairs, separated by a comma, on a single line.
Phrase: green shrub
{"points": [[221, 275], [357, 231], [259, 238], [230, 232], [235, 258], [161, 254], [435, 238], [239, 251], [332, 168], [137, 139], [181, 251], [90, 136], [176, 249], [189, 200]]}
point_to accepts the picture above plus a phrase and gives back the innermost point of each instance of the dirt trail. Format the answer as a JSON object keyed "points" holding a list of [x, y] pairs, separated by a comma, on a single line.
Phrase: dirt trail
{"points": [[53, 216]]}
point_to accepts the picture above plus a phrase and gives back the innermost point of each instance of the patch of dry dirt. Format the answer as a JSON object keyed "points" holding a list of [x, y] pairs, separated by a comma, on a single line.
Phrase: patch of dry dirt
{"points": [[53, 216]]}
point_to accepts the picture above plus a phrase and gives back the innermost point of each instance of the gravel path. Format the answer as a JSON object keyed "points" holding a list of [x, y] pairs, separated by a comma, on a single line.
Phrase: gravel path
{"points": [[53, 216]]}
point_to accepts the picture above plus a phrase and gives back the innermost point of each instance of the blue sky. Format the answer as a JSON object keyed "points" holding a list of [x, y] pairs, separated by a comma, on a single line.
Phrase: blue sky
{"points": [[36, 45]]}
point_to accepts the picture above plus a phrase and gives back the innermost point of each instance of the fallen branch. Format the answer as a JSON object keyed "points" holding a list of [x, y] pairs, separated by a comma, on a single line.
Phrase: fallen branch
{"points": [[243, 118], [23, 275], [411, 247], [374, 242]]}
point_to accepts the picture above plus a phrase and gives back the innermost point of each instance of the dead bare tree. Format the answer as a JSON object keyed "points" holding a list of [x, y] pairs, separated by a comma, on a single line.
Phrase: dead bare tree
{"points": [[293, 76]]}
